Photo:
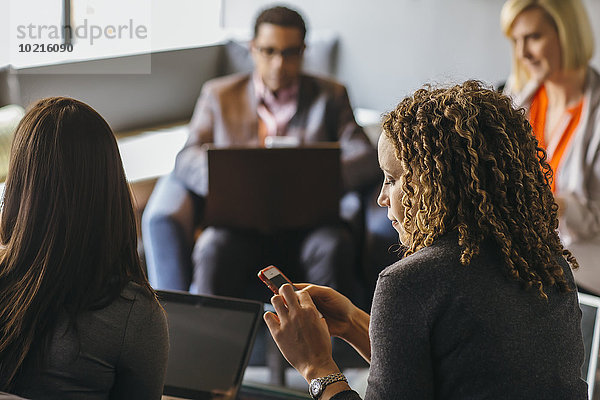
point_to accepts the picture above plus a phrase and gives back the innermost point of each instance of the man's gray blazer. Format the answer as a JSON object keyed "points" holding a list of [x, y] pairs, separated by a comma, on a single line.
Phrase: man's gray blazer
{"points": [[225, 115]]}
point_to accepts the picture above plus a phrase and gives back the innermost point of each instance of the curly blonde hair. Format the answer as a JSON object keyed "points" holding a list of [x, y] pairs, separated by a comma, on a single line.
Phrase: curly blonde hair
{"points": [[473, 165]]}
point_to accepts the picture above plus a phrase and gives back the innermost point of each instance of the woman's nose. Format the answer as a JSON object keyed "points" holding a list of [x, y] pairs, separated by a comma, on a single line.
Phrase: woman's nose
{"points": [[523, 49], [383, 199]]}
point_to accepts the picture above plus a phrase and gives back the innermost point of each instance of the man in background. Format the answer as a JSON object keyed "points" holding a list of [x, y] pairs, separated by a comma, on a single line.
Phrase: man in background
{"points": [[276, 99]]}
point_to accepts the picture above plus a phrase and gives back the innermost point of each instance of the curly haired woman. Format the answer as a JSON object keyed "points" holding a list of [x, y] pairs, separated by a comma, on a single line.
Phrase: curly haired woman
{"points": [[483, 304]]}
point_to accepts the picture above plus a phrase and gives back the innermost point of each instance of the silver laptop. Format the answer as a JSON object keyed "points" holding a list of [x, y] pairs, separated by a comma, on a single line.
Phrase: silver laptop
{"points": [[210, 343], [590, 327], [273, 189]]}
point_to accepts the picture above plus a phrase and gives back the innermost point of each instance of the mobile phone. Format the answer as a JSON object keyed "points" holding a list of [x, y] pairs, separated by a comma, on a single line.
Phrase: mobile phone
{"points": [[274, 278]]}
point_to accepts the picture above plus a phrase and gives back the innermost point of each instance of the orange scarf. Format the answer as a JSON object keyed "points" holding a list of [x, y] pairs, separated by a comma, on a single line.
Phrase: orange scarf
{"points": [[537, 119]]}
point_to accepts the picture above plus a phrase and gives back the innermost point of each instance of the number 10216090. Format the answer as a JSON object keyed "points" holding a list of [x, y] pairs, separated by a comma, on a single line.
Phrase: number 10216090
{"points": [[45, 48]]}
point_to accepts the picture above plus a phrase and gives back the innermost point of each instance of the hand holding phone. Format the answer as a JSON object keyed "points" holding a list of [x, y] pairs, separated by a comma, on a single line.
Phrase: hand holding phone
{"points": [[274, 278]]}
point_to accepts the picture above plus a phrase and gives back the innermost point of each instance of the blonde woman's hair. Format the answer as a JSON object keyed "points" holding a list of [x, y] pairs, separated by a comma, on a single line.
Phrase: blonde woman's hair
{"points": [[572, 24]]}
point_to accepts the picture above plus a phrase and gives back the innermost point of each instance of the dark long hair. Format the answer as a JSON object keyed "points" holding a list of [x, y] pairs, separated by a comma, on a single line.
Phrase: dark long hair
{"points": [[67, 229], [482, 174]]}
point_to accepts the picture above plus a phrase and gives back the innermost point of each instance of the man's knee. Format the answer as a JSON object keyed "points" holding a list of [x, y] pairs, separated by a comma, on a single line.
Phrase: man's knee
{"points": [[153, 219], [171, 206]]}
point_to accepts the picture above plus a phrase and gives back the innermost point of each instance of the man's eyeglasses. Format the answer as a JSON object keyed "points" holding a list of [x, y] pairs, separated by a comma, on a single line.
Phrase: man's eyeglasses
{"points": [[287, 54]]}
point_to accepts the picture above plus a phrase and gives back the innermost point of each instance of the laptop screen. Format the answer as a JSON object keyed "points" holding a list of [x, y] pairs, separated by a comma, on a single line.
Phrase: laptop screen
{"points": [[590, 328], [273, 189], [210, 343]]}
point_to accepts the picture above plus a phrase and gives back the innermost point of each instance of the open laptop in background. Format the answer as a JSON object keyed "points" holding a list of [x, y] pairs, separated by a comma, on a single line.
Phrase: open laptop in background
{"points": [[210, 342], [590, 328], [272, 189]]}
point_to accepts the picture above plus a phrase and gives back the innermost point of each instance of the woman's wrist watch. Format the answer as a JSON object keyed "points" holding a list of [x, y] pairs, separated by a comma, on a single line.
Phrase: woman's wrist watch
{"points": [[318, 385]]}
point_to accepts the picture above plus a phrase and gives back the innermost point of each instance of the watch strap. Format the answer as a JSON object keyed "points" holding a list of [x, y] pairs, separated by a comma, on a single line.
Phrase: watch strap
{"points": [[327, 380]]}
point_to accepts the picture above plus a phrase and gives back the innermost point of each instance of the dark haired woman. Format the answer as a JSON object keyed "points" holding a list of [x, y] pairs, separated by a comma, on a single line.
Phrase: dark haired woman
{"points": [[78, 319], [483, 304]]}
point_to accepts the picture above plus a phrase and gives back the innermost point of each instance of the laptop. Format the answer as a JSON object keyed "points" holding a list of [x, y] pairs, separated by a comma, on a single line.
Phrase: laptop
{"points": [[590, 328], [273, 189], [210, 342]]}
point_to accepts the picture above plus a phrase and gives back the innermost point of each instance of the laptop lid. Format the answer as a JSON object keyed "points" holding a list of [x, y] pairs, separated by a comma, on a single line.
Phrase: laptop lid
{"points": [[210, 343], [590, 328], [271, 189]]}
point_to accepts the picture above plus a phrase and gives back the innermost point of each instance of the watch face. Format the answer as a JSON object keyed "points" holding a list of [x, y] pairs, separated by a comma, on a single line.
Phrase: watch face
{"points": [[315, 388]]}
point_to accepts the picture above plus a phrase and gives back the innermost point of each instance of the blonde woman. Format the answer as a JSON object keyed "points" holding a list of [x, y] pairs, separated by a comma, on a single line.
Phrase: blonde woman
{"points": [[551, 78]]}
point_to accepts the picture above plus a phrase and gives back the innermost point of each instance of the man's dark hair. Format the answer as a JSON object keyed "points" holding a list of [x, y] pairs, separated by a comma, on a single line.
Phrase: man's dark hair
{"points": [[281, 16]]}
